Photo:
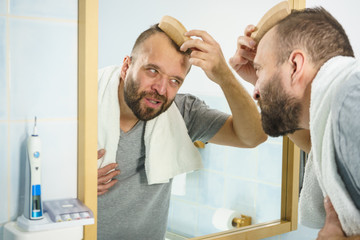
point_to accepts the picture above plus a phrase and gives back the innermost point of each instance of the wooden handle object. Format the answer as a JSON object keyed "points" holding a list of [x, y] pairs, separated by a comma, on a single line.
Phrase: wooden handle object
{"points": [[270, 19], [174, 29]]}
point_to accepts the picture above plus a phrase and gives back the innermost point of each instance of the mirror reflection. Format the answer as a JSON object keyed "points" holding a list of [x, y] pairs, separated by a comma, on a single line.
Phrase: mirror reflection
{"points": [[235, 180]]}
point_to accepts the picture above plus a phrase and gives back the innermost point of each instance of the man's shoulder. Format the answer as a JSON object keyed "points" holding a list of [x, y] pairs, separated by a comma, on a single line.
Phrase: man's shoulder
{"points": [[348, 93]]}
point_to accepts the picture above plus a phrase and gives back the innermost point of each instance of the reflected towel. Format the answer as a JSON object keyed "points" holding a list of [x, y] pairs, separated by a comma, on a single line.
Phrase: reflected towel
{"points": [[321, 176], [169, 149]]}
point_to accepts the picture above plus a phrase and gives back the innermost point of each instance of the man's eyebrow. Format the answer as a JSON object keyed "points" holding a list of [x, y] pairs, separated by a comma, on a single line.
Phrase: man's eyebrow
{"points": [[151, 65]]}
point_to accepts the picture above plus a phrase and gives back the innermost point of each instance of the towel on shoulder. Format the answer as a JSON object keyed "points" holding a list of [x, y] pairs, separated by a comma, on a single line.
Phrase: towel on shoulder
{"points": [[321, 176], [169, 149]]}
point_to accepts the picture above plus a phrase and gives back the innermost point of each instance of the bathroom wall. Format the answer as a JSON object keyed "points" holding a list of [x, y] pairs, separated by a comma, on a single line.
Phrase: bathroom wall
{"points": [[38, 77]]}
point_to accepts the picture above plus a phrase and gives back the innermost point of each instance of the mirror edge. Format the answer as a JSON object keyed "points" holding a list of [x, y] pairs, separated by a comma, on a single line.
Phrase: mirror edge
{"points": [[87, 109]]}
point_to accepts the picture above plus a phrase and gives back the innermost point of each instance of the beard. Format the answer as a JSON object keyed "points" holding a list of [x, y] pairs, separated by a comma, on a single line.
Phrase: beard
{"points": [[133, 99], [279, 111]]}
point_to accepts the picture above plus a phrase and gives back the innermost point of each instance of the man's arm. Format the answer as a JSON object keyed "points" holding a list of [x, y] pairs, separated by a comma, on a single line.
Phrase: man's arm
{"points": [[243, 128], [332, 228]]}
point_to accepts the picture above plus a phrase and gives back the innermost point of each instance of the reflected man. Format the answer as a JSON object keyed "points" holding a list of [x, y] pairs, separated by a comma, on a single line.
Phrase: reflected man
{"points": [[133, 202]]}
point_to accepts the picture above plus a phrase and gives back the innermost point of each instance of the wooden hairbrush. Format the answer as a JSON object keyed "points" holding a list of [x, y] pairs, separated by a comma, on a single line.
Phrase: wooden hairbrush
{"points": [[174, 29], [270, 19]]}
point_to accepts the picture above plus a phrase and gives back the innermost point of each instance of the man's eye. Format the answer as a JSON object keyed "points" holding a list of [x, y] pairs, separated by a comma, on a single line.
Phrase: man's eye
{"points": [[175, 81], [152, 70]]}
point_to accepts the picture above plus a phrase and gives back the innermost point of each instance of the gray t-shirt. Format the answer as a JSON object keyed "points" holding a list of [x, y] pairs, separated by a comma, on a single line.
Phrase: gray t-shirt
{"points": [[346, 133], [132, 209]]}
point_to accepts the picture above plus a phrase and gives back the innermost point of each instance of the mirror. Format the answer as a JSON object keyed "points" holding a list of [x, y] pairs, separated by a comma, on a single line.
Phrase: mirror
{"points": [[250, 181]]}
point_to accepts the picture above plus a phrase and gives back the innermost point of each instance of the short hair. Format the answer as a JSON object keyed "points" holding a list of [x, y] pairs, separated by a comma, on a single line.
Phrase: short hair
{"points": [[314, 30], [154, 29]]}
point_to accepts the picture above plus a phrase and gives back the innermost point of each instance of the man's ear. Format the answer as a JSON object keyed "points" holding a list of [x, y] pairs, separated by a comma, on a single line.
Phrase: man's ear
{"points": [[297, 63], [125, 67]]}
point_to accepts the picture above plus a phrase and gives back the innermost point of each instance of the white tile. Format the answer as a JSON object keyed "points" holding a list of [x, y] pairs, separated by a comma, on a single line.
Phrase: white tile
{"points": [[43, 71], [3, 6], [3, 95], [270, 162], [66, 9], [59, 161], [3, 173]]}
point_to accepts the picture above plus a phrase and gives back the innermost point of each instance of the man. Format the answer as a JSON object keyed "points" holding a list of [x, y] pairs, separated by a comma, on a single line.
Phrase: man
{"points": [[129, 206], [306, 79]]}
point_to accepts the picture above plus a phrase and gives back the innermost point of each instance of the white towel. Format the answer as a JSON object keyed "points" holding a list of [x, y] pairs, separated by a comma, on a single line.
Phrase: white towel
{"points": [[321, 176], [169, 149]]}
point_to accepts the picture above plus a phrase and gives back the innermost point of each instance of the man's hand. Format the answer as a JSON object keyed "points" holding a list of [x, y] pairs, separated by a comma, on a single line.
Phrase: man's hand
{"points": [[332, 229], [242, 61], [106, 175], [206, 54]]}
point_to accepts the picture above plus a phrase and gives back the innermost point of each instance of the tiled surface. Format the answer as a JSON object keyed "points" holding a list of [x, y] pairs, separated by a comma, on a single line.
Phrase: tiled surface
{"points": [[3, 172], [43, 69], [214, 157], [270, 162], [268, 203], [66, 9], [242, 162], [186, 218], [3, 95], [211, 189], [301, 233], [3, 6], [205, 224]]}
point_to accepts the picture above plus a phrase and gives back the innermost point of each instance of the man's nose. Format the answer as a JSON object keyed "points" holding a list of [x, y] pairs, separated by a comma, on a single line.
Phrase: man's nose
{"points": [[256, 94], [160, 85]]}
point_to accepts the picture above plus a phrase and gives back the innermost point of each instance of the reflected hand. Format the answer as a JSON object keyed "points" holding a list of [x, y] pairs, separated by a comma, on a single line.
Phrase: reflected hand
{"points": [[332, 229], [242, 61], [206, 54], [106, 175]]}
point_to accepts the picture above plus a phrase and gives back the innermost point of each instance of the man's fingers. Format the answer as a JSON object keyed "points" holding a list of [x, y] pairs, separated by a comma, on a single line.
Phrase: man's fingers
{"points": [[104, 170], [103, 188], [107, 177], [249, 30], [329, 209], [244, 41], [101, 153]]}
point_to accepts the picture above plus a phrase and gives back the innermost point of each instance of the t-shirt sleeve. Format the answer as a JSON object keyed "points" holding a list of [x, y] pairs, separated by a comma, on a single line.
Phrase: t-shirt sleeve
{"points": [[346, 130], [201, 121]]}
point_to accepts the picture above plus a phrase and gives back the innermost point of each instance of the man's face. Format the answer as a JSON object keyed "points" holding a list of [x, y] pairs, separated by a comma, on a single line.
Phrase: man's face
{"points": [[280, 111], [154, 77]]}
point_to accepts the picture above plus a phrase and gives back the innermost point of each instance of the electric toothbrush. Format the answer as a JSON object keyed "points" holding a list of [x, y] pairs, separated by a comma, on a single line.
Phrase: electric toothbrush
{"points": [[33, 207]]}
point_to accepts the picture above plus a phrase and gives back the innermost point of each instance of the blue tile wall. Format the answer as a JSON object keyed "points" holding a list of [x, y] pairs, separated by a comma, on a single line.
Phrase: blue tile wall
{"points": [[241, 196], [301, 233], [3, 90], [242, 162], [3, 9], [270, 162], [268, 203], [186, 218], [211, 189], [65, 9], [214, 157], [43, 69], [3, 172], [205, 225]]}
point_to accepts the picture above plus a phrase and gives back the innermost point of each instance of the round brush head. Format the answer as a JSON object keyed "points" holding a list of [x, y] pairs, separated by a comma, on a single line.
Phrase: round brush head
{"points": [[174, 29], [270, 19]]}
